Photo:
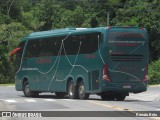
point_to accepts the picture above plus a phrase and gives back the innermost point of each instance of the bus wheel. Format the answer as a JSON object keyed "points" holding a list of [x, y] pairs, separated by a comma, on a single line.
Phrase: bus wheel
{"points": [[27, 92], [72, 90], [82, 92], [106, 96], [120, 97], [60, 94]]}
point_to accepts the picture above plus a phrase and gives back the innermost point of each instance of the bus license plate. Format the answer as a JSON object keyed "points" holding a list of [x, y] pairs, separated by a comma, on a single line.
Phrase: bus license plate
{"points": [[126, 86]]}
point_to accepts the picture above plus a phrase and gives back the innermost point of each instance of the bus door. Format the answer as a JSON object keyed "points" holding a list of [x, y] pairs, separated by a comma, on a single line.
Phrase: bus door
{"points": [[127, 61]]}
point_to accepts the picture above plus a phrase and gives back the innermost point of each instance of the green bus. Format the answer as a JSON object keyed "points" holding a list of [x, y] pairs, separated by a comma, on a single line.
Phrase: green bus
{"points": [[108, 61]]}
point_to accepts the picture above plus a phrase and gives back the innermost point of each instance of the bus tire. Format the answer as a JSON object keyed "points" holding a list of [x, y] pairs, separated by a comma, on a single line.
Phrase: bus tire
{"points": [[120, 97], [81, 91], [27, 92], [60, 94], [108, 97], [72, 90]]}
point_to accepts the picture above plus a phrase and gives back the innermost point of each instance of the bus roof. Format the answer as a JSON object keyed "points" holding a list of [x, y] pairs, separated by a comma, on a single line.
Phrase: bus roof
{"points": [[61, 32], [66, 31]]}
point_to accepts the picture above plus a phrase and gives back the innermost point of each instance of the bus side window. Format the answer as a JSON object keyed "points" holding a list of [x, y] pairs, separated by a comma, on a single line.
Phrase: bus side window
{"points": [[53, 45], [71, 45], [57, 46], [93, 42], [48, 47], [41, 47], [84, 44], [89, 43], [54, 48], [31, 49]]}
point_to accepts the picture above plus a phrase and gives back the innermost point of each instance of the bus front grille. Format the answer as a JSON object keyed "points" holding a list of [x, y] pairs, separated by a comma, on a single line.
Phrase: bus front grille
{"points": [[126, 57]]}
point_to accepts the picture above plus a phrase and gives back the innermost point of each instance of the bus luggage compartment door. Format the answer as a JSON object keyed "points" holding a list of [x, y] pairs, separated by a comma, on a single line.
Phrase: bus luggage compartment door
{"points": [[94, 81]]}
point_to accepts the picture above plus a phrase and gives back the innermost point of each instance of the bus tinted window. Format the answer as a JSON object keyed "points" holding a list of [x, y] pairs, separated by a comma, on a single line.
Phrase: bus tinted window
{"points": [[119, 37], [71, 45], [82, 44], [51, 46], [31, 49], [75, 44], [89, 43]]}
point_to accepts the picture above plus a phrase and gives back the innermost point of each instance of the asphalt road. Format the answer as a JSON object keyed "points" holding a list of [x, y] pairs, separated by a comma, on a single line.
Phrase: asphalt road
{"points": [[12, 100]]}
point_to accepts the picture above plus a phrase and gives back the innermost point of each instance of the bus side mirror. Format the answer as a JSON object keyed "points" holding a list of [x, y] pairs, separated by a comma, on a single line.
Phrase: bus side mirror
{"points": [[12, 53]]}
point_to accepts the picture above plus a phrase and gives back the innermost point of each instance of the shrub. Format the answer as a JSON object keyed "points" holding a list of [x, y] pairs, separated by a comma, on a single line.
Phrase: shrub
{"points": [[154, 72]]}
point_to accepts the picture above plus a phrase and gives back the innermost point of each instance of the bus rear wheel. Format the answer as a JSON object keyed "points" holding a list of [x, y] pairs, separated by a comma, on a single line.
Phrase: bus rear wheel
{"points": [[27, 91], [60, 94], [120, 97], [72, 90], [107, 96], [82, 92]]}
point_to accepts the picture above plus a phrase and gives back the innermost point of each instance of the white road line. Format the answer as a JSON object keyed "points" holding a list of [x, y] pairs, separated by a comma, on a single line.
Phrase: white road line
{"points": [[68, 100], [11, 101], [49, 100], [30, 100], [10, 86], [145, 96]]}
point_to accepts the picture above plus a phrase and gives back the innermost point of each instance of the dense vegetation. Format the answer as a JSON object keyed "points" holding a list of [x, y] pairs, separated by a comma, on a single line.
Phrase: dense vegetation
{"points": [[20, 17]]}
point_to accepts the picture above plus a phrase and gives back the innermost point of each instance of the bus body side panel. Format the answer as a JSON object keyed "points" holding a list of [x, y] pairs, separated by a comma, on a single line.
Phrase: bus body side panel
{"points": [[88, 66], [60, 74], [44, 72], [18, 81], [85, 68]]}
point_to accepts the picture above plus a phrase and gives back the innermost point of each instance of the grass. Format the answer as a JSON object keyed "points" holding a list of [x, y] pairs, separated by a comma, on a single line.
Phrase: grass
{"points": [[12, 84], [157, 85]]}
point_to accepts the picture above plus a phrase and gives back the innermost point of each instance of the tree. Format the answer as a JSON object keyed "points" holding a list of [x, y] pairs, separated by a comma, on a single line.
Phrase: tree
{"points": [[10, 36]]}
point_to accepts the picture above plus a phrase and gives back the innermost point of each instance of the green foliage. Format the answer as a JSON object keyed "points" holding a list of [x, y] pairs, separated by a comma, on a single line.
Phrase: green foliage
{"points": [[6, 70], [11, 33], [29, 21], [154, 72], [4, 19]]}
